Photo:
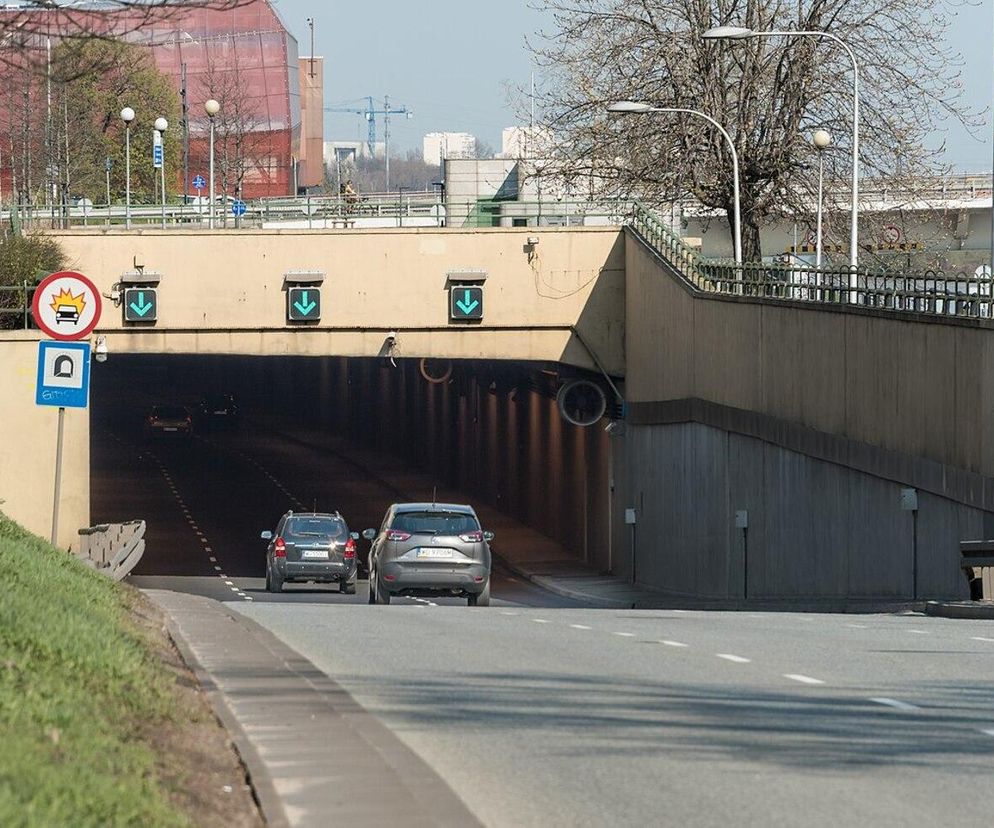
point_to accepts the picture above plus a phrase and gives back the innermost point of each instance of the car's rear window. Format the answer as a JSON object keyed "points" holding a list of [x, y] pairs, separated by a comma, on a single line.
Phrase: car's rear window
{"points": [[435, 523], [326, 528], [171, 412]]}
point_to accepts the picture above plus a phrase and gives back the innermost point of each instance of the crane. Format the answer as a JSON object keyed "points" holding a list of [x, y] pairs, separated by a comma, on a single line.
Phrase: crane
{"points": [[370, 113]]}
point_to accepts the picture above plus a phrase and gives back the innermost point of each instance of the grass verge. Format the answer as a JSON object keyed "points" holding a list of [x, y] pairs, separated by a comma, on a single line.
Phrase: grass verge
{"points": [[79, 685]]}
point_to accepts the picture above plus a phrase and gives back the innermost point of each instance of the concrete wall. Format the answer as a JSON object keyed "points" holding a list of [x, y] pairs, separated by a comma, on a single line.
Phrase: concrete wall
{"points": [[27, 449], [813, 419], [223, 292]]}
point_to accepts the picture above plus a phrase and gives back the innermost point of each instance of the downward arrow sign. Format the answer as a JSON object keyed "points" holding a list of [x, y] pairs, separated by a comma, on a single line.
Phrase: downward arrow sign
{"points": [[142, 307], [303, 305], [467, 304]]}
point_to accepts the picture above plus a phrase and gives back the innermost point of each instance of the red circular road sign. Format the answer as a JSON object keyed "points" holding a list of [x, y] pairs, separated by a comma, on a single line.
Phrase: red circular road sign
{"points": [[66, 305]]}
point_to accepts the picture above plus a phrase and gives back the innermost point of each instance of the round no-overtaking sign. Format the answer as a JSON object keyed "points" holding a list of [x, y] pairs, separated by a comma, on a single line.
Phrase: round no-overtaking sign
{"points": [[66, 305]]}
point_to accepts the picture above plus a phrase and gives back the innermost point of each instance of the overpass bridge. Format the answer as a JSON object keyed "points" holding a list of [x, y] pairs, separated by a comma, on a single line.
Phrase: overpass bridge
{"points": [[775, 421]]}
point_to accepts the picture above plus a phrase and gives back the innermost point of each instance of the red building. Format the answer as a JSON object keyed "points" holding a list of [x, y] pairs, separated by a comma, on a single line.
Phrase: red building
{"points": [[242, 55]]}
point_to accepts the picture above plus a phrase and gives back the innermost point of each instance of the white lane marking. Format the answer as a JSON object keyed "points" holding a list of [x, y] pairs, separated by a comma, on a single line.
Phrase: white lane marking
{"points": [[505, 612], [918, 632], [857, 626], [234, 589], [249, 598], [735, 658], [988, 732], [540, 620], [673, 643], [897, 705], [217, 568], [208, 549], [230, 583], [213, 559], [981, 638], [802, 679], [625, 635], [580, 627], [221, 576]]}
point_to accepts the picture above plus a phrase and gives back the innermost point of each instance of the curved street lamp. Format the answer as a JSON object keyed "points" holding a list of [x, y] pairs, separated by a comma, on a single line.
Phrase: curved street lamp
{"points": [[638, 108], [741, 33], [211, 107], [127, 115]]}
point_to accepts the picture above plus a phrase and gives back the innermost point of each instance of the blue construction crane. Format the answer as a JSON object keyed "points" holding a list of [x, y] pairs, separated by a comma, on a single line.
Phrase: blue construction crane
{"points": [[370, 113]]}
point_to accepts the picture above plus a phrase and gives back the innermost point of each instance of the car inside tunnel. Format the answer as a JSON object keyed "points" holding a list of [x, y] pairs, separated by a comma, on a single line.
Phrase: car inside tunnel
{"points": [[212, 450]]}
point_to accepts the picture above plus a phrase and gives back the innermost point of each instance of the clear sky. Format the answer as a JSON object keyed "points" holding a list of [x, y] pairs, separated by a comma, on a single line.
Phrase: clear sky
{"points": [[450, 61]]}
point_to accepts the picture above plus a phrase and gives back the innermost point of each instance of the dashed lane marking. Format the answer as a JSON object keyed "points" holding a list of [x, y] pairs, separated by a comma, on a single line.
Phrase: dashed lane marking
{"points": [[735, 658], [981, 638], [918, 632], [896, 704], [673, 643], [626, 634], [988, 732], [580, 627], [540, 620], [802, 679]]}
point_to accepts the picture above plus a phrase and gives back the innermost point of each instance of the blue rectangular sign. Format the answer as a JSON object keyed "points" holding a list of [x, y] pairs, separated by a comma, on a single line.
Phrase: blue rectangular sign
{"points": [[157, 156], [63, 374]]}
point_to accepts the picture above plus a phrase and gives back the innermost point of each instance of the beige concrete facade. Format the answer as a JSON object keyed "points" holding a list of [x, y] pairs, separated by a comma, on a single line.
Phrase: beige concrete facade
{"points": [[223, 292], [27, 449]]}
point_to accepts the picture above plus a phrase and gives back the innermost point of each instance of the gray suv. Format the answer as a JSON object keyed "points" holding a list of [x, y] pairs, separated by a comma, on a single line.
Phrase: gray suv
{"points": [[430, 549], [311, 546]]}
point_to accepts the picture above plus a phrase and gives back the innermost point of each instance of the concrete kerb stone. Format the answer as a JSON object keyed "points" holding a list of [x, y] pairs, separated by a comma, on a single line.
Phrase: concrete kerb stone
{"points": [[976, 610]]}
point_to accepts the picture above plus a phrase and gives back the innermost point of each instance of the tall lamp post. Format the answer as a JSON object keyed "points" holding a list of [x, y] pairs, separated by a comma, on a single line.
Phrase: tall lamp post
{"points": [[636, 108], [127, 115], [740, 33], [211, 107], [161, 125], [822, 141]]}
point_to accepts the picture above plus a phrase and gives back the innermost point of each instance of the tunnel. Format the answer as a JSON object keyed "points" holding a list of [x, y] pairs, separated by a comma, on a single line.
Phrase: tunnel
{"points": [[350, 435]]}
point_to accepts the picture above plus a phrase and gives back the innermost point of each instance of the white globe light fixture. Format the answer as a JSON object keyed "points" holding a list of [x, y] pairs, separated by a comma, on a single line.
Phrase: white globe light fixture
{"points": [[822, 139], [211, 107], [127, 115], [161, 124]]}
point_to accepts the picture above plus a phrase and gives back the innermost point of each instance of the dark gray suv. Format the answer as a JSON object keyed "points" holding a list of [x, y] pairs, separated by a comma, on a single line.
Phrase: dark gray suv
{"points": [[311, 546], [430, 549]]}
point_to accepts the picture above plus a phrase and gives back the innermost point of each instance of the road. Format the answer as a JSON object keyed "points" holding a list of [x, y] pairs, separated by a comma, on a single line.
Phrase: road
{"points": [[540, 712], [596, 717]]}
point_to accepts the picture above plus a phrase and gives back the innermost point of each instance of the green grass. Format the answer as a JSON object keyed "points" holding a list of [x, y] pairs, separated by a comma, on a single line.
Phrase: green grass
{"points": [[77, 678]]}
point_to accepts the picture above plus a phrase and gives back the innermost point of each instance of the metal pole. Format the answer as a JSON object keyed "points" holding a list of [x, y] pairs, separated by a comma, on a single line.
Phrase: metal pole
{"points": [[386, 139], [127, 176], [821, 173], [107, 173], [162, 179], [58, 477], [210, 220], [186, 137]]}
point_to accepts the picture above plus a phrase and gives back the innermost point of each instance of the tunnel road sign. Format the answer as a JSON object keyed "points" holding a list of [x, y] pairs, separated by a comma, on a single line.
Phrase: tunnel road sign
{"points": [[141, 304], [303, 304], [465, 303], [63, 374], [66, 305]]}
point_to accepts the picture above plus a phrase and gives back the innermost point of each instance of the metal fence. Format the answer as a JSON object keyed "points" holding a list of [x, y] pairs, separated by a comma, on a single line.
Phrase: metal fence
{"points": [[15, 306], [932, 292]]}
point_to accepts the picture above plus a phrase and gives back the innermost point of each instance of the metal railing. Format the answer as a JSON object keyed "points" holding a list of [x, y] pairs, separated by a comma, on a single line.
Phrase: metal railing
{"points": [[15, 306], [932, 292]]}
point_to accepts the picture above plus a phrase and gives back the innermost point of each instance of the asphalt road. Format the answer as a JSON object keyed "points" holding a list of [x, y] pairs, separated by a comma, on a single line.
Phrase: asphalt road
{"points": [[206, 499], [597, 717]]}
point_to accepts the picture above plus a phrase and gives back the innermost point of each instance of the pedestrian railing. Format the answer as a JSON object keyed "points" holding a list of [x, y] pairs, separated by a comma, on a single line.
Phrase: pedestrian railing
{"points": [[930, 293], [15, 306]]}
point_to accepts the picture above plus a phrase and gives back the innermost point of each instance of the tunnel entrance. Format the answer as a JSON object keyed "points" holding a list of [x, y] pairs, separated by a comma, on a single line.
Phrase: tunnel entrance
{"points": [[342, 434]]}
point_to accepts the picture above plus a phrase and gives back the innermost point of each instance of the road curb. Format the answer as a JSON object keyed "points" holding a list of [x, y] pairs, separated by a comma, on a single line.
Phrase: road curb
{"points": [[551, 585], [258, 774], [961, 609]]}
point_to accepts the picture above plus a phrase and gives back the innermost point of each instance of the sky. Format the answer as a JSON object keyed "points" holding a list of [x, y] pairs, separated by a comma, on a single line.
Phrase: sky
{"points": [[451, 62]]}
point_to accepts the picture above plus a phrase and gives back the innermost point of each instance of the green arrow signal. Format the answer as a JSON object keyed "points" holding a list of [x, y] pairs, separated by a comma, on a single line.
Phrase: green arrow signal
{"points": [[142, 307], [303, 305], [467, 304]]}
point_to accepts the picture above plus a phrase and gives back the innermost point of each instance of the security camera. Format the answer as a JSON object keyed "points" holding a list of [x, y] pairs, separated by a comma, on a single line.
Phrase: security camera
{"points": [[391, 336], [533, 240], [100, 350]]}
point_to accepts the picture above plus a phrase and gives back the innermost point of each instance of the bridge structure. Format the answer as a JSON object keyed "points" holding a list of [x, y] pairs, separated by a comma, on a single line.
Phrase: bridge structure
{"points": [[779, 434]]}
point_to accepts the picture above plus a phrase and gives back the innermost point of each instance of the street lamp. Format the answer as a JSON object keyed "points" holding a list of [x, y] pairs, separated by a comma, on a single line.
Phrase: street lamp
{"points": [[161, 125], [740, 33], [127, 115], [211, 107], [822, 140], [638, 108]]}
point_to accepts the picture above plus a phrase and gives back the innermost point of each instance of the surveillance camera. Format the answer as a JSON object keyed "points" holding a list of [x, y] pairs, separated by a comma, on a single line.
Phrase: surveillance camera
{"points": [[392, 336], [533, 240], [100, 350]]}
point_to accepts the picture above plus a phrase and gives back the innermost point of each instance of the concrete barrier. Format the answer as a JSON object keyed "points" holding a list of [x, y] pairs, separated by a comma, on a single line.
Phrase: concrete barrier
{"points": [[113, 548]]}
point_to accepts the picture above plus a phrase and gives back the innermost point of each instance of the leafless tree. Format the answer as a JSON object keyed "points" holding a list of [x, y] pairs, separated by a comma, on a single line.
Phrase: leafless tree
{"points": [[769, 93]]}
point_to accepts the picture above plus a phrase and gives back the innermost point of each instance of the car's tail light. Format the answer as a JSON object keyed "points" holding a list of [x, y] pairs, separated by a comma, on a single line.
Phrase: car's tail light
{"points": [[189, 419], [394, 535], [472, 537], [279, 548], [350, 548]]}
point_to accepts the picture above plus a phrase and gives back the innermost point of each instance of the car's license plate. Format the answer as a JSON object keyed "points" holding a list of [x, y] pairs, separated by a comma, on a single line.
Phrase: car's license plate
{"points": [[169, 428], [434, 554], [315, 555]]}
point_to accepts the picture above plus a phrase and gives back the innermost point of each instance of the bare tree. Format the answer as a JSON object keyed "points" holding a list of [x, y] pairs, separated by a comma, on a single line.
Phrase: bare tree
{"points": [[769, 93], [241, 140]]}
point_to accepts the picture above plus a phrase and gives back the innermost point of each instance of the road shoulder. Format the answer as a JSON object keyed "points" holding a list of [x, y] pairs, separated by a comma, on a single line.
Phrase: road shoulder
{"points": [[310, 749]]}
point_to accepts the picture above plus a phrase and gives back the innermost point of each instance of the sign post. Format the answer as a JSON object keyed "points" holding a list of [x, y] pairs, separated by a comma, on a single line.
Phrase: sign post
{"points": [[199, 182], [66, 306]]}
